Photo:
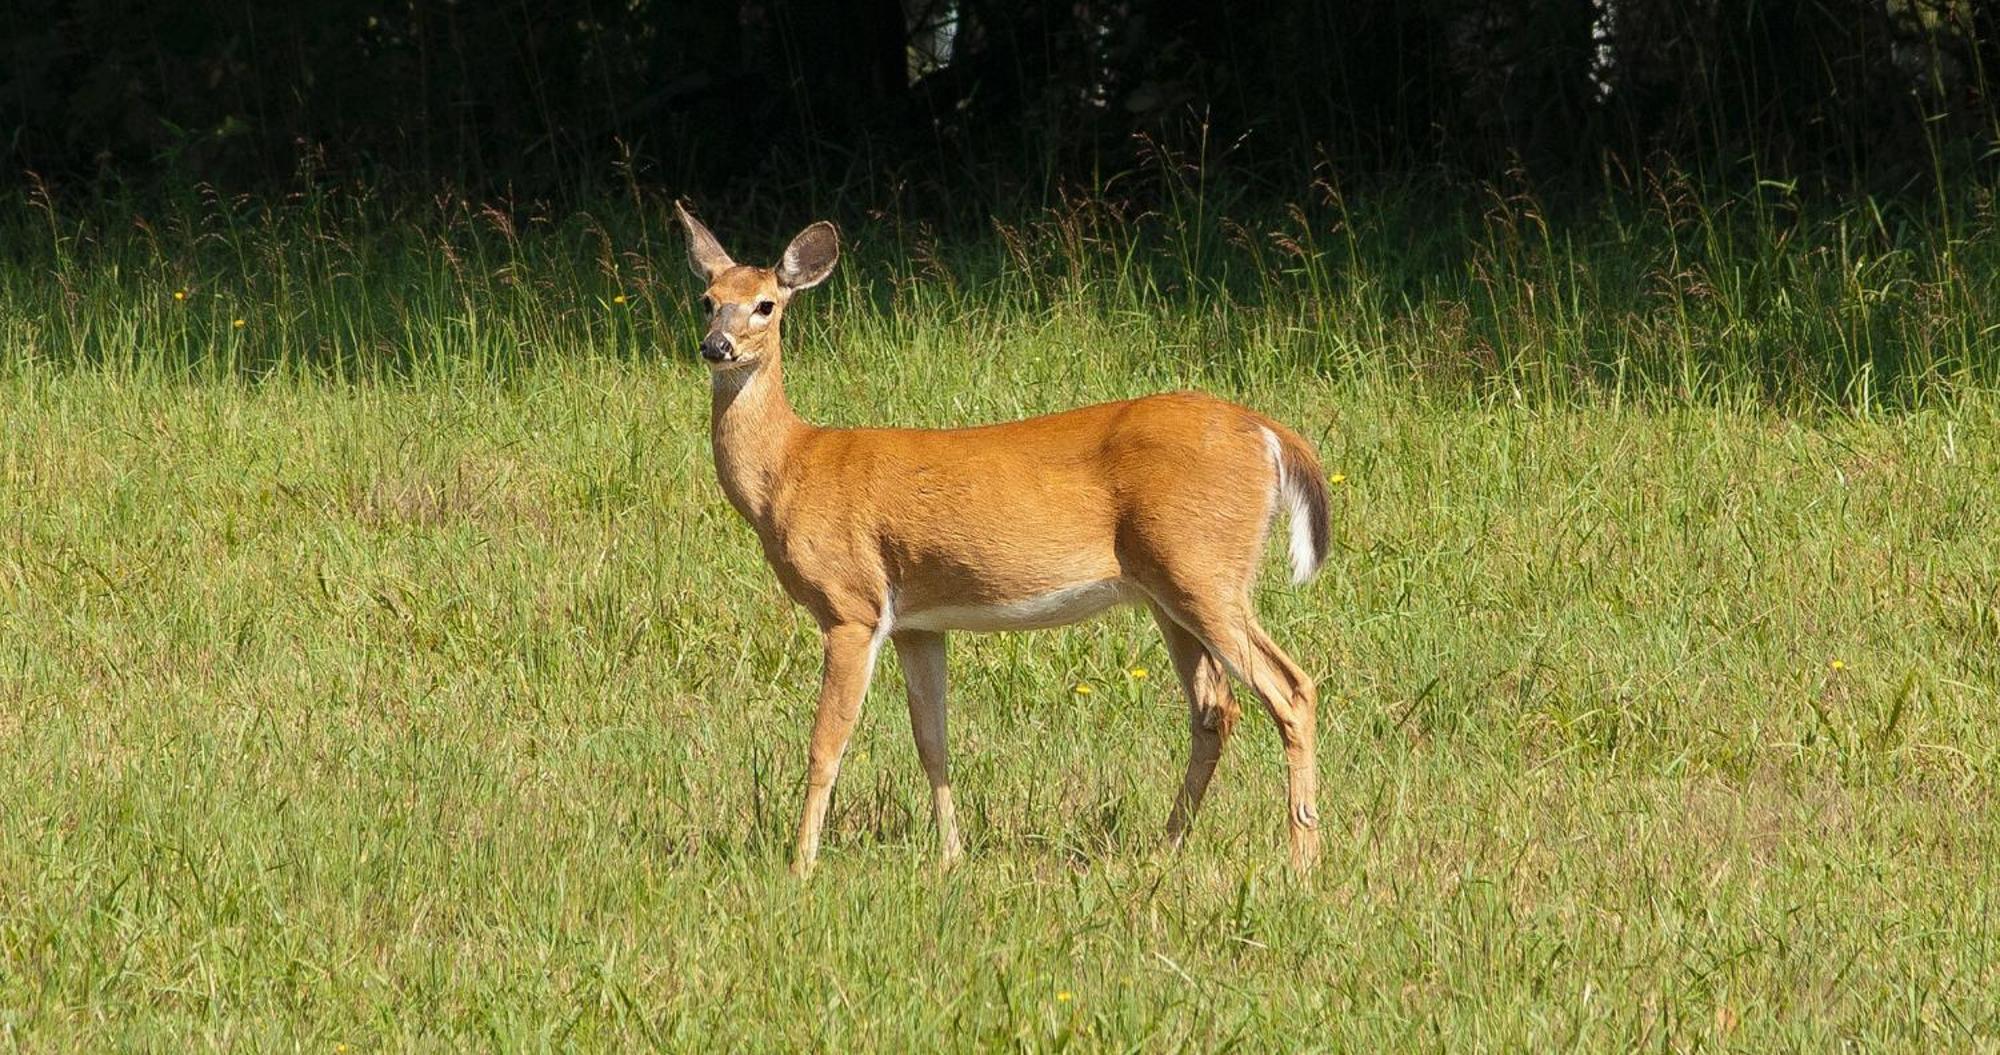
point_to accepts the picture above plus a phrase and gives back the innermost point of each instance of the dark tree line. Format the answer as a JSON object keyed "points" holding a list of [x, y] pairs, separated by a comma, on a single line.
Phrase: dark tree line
{"points": [[976, 97]]}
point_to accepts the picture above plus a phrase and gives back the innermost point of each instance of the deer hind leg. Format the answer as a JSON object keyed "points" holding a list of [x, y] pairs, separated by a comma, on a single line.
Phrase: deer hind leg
{"points": [[922, 656], [1212, 714], [850, 650], [1230, 630]]}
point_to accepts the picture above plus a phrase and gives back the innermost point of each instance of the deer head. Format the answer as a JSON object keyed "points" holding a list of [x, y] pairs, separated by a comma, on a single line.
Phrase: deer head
{"points": [[743, 303]]}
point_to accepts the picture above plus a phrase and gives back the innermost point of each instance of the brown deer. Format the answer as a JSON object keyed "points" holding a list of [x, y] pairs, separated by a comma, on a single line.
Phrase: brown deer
{"points": [[900, 535]]}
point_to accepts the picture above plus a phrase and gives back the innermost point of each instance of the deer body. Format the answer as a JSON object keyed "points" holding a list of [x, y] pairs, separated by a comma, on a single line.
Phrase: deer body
{"points": [[899, 535]]}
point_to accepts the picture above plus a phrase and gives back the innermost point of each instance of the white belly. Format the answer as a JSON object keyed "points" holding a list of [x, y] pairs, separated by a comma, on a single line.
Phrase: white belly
{"points": [[1054, 608]]}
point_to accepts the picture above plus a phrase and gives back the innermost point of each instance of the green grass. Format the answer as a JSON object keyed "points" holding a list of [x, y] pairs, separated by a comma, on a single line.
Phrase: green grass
{"points": [[421, 691], [1661, 290]]}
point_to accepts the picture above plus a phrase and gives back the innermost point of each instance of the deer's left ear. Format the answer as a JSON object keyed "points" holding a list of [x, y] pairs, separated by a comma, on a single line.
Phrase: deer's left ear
{"points": [[810, 257]]}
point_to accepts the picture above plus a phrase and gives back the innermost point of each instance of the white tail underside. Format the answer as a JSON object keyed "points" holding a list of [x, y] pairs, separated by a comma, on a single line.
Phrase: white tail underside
{"points": [[1288, 493]]}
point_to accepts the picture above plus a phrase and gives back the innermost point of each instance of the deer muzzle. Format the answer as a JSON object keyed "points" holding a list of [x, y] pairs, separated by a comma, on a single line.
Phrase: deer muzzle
{"points": [[718, 348]]}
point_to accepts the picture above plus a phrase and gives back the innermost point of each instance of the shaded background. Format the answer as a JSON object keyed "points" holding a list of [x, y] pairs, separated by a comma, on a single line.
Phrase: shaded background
{"points": [[954, 107]]}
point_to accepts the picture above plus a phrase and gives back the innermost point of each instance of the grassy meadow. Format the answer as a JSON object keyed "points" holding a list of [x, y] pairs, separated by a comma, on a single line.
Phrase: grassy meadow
{"points": [[385, 671]]}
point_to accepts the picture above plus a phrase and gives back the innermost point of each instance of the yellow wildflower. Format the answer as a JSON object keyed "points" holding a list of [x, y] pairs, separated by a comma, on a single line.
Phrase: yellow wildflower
{"points": [[1083, 690], [236, 324], [1838, 665], [1139, 673], [1065, 997], [180, 294], [1337, 478], [619, 299]]}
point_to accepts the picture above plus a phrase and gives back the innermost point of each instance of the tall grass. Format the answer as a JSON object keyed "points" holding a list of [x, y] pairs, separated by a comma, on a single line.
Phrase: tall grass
{"points": [[1660, 287]]}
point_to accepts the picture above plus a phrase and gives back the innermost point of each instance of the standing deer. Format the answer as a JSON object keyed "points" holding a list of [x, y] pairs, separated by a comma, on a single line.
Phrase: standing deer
{"points": [[900, 535]]}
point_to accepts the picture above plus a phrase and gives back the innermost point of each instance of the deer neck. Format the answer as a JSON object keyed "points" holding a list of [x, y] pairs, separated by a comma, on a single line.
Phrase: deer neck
{"points": [[752, 429]]}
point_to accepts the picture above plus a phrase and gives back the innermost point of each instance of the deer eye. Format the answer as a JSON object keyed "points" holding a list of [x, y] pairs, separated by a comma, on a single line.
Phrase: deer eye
{"points": [[765, 307], [707, 306]]}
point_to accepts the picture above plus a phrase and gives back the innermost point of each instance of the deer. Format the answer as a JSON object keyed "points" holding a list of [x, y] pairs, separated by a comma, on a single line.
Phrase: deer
{"points": [[903, 535]]}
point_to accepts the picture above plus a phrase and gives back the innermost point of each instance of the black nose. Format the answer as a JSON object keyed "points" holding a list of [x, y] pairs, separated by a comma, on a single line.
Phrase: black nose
{"points": [[716, 348]]}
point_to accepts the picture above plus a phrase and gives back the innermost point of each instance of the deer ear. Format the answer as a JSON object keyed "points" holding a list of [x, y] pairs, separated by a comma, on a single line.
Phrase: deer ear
{"points": [[705, 254], [810, 257]]}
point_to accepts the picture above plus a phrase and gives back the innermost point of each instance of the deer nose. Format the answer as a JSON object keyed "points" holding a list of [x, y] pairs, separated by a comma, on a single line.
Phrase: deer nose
{"points": [[717, 348]]}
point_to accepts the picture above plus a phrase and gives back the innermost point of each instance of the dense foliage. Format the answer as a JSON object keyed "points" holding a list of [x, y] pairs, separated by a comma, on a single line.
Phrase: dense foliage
{"points": [[915, 96]]}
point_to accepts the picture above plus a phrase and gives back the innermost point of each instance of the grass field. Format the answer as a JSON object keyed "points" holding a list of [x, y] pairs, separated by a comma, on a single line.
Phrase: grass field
{"points": [[388, 672]]}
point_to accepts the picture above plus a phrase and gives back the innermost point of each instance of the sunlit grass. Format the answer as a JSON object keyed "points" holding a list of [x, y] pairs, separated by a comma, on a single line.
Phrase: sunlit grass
{"points": [[389, 671], [1659, 289]]}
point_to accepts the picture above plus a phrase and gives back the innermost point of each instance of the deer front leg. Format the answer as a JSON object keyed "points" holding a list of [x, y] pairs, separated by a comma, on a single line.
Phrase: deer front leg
{"points": [[922, 656], [849, 662]]}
